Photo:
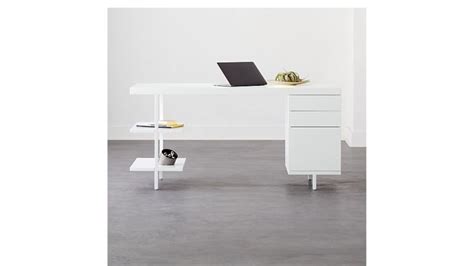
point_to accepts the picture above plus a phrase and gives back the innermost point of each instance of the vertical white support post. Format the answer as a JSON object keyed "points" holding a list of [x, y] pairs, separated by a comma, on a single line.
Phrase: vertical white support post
{"points": [[314, 181], [156, 139], [161, 135]]}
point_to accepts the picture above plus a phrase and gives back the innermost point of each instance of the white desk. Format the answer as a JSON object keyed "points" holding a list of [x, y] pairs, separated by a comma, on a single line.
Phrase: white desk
{"points": [[312, 125]]}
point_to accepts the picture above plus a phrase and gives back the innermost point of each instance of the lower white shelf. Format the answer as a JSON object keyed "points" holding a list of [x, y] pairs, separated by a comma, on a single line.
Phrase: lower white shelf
{"points": [[148, 165]]}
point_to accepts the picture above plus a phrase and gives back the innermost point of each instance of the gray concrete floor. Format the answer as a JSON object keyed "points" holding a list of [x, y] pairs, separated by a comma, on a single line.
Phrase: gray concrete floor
{"points": [[234, 204]]}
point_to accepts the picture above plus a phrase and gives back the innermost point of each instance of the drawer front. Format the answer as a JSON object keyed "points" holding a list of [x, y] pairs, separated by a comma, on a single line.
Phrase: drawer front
{"points": [[330, 118], [314, 103], [316, 149]]}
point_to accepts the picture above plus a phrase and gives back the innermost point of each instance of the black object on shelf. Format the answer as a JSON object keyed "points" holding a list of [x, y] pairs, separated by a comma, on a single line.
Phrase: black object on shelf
{"points": [[168, 157]]}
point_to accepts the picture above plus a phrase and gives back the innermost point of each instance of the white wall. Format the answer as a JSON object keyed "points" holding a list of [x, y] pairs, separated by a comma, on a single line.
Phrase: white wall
{"points": [[354, 127], [183, 45]]}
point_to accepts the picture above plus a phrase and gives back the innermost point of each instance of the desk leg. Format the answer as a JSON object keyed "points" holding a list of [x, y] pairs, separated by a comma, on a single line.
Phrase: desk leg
{"points": [[161, 135], [156, 141], [314, 181], [161, 148]]}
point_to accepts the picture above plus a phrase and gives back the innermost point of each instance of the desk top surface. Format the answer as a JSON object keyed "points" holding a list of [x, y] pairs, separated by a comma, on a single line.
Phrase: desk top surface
{"points": [[210, 89]]}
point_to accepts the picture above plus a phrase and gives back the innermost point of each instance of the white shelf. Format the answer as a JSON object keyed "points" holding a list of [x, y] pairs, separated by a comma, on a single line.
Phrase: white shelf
{"points": [[136, 129], [148, 165]]}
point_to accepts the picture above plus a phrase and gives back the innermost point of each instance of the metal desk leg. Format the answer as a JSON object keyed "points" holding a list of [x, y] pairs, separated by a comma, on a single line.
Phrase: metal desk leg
{"points": [[314, 181]]}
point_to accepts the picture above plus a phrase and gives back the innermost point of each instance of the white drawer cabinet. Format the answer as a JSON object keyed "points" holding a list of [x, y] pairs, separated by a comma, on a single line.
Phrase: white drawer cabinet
{"points": [[313, 135], [317, 118], [314, 103], [315, 149]]}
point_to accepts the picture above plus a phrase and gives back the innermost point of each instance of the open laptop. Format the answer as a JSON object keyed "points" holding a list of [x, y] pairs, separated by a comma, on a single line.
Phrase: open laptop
{"points": [[241, 74]]}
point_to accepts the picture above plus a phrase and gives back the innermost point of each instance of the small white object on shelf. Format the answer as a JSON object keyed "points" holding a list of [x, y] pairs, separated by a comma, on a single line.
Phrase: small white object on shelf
{"points": [[136, 129], [148, 165]]}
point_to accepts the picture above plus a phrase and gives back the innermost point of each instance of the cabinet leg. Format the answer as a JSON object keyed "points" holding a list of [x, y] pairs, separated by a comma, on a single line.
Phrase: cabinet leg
{"points": [[314, 181], [156, 181]]}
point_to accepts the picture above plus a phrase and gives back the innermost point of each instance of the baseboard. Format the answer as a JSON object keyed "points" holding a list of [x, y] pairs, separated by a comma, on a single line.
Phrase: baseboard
{"points": [[354, 138], [207, 133]]}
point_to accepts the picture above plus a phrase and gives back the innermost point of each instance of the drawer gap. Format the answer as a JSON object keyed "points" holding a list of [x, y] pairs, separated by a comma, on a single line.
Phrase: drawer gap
{"points": [[314, 127], [332, 111], [314, 95]]}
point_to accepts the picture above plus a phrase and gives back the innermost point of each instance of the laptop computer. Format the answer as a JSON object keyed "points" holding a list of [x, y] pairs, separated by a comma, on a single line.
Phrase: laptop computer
{"points": [[241, 74]]}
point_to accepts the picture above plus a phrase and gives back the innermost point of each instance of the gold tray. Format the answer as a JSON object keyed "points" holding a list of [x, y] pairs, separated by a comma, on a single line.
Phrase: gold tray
{"points": [[288, 82]]}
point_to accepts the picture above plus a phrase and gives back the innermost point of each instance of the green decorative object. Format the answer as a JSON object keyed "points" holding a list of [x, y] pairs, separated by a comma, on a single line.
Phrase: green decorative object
{"points": [[289, 76]]}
